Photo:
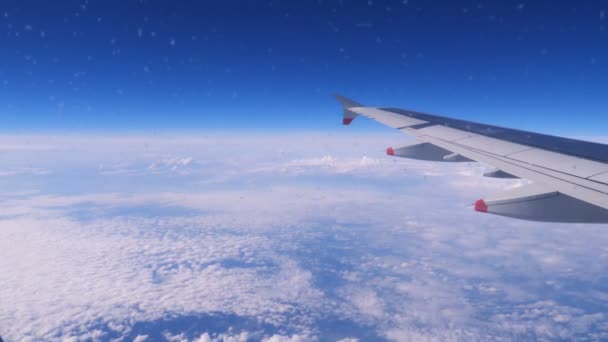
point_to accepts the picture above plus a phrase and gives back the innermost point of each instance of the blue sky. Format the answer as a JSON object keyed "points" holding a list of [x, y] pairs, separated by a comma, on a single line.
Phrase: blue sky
{"points": [[81, 66]]}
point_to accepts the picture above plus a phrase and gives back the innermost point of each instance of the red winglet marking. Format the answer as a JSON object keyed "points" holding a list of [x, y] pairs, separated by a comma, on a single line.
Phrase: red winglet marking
{"points": [[390, 151], [481, 206], [347, 121]]}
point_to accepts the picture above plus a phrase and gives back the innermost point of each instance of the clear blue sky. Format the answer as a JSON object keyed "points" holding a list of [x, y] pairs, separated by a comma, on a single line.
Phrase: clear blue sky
{"points": [[267, 65]]}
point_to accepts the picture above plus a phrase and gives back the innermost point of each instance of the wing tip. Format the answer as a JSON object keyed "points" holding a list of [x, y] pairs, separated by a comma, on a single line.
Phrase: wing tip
{"points": [[346, 102], [348, 115]]}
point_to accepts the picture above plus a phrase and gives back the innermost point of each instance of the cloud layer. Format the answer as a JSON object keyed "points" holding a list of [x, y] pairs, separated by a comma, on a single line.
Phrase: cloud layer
{"points": [[277, 238]]}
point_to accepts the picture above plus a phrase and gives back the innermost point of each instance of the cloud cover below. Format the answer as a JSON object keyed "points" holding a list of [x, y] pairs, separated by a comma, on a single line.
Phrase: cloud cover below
{"points": [[279, 238]]}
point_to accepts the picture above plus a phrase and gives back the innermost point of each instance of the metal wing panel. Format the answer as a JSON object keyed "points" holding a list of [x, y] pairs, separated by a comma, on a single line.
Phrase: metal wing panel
{"points": [[494, 146], [560, 162], [446, 133], [583, 189], [602, 178]]}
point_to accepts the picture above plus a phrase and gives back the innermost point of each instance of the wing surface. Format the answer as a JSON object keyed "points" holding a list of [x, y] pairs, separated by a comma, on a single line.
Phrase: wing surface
{"points": [[574, 173]]}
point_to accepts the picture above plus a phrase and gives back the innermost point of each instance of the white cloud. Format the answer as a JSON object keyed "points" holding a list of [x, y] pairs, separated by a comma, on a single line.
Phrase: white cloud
{"points": [[293, 338], [331, 164], [24, 171], [72, 275], [243, 337], [290, 234], [175, 338], [365, 302]]}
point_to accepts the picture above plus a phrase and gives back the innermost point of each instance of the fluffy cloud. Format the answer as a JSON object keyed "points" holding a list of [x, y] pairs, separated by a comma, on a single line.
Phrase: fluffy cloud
{"points": [[278, 238]]}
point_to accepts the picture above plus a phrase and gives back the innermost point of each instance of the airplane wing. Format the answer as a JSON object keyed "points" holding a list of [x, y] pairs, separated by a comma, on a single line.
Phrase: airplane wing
{"points": [[569, 177]]}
